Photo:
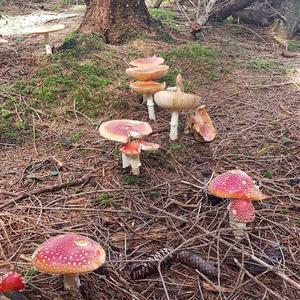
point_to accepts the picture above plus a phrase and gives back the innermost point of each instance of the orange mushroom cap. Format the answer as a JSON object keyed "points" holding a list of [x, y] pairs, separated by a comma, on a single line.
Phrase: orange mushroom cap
{"points": [[147, 73], [241, 210], [147, 87], [68, 253], [235, 184], [147, 61]]}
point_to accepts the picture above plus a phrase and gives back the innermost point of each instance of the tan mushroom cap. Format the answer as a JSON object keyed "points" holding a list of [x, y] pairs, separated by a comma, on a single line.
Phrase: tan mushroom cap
{"points": [[176, 101], [147, 73], [147, 87], [3, 41], [147, 61], [68, 253], [122, 130], [45, 29]]}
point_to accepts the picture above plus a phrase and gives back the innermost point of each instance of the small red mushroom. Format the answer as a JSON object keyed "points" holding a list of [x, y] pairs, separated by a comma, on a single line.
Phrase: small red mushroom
{"points": [[131, 153], [68, 254], [241, 212], [235, 184], [129, 132], [12, 282]]}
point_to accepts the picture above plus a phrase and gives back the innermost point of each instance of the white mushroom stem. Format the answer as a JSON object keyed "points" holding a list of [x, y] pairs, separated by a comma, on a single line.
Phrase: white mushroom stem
{"points": [[174, 125], [240, 227], [47, 46], [150, 104], [144, 99], [125, 161], [133, 161], [71, 281]]}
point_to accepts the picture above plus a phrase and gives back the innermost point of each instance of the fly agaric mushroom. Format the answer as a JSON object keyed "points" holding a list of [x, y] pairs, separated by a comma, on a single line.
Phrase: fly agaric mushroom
{"points": [[176, 102], [68, 254], [147, 73], [131, 154], [200, 122], [12, 282], [46, 30], [241, 212], [124, 131], [147, 89], [235, 184], [147, 61]]}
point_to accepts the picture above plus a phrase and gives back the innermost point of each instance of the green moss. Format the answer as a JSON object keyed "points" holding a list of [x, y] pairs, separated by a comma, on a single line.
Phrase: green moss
{"points": [[268, 174], [175, 147], [103, 199], [165, 17], [258, 63], [293, 46], [192, 58], [131, 179]]}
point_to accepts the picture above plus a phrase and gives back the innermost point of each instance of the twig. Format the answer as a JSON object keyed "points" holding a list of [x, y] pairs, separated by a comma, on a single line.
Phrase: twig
{"points": [[82, 180]]}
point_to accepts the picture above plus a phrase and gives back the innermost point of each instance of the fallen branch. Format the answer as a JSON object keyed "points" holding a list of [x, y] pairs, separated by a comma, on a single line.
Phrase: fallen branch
{"points": [[287, 54], [22, 195]]}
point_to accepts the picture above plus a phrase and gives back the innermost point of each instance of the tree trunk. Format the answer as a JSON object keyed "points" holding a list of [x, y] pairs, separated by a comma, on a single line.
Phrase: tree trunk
{"points": [[287, 19], [224, 10], [115, 20]]}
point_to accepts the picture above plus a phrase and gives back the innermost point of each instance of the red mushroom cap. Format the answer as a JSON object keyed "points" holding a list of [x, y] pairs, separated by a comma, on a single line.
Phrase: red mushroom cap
{"points": [[122, 130], [235, 184], [241, 210], [11, 282], [135, 147], [68, 253]]}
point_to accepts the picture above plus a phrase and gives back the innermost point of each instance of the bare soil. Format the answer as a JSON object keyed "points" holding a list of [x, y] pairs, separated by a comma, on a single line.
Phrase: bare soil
{"points": [[256, 110]]}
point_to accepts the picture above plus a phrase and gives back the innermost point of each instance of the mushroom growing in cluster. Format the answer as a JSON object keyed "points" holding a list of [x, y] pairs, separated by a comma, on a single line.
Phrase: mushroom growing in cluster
{"points": [[129, 133], [45, 30], [68, 254], [176, 101], [241, 190], [146, 70]]}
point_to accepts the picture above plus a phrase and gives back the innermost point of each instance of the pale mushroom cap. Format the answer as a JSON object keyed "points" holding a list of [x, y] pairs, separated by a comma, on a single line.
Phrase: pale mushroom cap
{"points": [[176, 101], [147, 73], [147, 87], [235, 184], [3, 41], [45, 29], [241, 210], [203, 125], [68, 253], [147, 61], [135, 147], [122, 130]]}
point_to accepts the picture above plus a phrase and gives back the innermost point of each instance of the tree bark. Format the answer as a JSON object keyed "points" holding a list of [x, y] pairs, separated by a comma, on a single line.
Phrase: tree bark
{"points": [[116, 20], [287, 19], [224, 10]]}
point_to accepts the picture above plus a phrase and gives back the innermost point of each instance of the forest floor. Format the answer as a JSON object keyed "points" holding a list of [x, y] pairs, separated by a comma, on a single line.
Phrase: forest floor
{"points": [[50, 112]]}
